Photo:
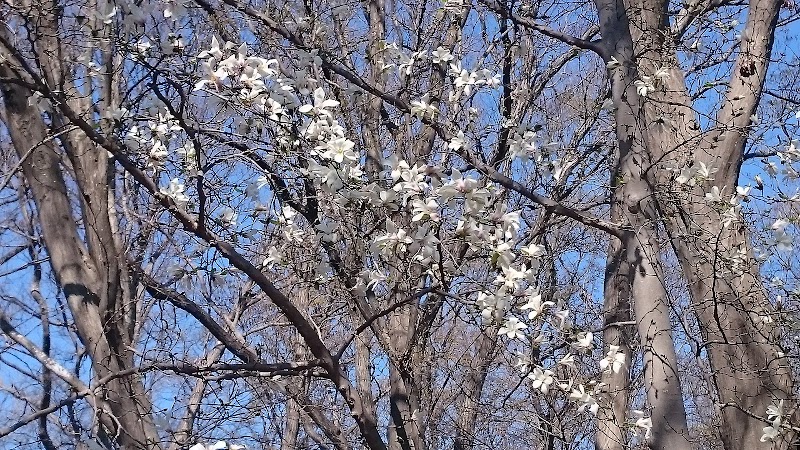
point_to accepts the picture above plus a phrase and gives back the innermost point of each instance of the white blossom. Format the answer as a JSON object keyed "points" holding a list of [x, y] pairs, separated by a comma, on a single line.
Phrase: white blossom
{"points": [[441, 55], [512, 328], [542, 379], [614, 360]]}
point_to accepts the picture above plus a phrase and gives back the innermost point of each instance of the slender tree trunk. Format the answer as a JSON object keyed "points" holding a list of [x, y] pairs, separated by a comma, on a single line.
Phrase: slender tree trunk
{"points": [[292, 419], [640, 248], [471, 390], [611, 431], [184, 429], [651, 312]]}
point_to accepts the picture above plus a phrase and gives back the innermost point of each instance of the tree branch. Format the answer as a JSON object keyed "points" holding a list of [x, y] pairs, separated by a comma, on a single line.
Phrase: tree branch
{"points": [[545, 30], [380, 314]]}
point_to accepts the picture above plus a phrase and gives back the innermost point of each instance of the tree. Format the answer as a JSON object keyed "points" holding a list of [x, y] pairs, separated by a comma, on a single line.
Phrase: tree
{"points": [[397, 225]]}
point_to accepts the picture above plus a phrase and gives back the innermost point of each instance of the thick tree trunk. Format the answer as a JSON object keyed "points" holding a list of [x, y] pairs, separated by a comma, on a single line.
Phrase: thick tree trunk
{"points": [[723, 276], [735, 321], [89, 276], [640, 250]]}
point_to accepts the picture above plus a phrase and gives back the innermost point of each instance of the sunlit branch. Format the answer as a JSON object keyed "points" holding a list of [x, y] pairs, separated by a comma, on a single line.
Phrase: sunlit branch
{"points": [[545, 30]]}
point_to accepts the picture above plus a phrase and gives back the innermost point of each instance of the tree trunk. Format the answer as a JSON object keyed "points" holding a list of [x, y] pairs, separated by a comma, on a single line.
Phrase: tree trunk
{"points": [[90, 276], [611, 432], [472, 389]]}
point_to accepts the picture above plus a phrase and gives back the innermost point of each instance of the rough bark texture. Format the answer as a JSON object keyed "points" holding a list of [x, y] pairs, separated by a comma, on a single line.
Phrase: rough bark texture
{"points": [[661, 131], [731, 307], [472, 389], [89, 273]]}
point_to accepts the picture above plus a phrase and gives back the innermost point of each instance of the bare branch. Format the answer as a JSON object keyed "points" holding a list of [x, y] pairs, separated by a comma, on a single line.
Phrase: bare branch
{"points": [[594, 46]]}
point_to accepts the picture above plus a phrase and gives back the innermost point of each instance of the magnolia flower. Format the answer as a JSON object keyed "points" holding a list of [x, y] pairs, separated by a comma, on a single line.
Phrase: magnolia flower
{"points": [[775, 415], [685, 176], [396, 166], [453, 5], [730, 216], [535, 305], [338, 149], [568, 360], [779, 225], [493, 82], [465, 80], [662, 74], [509, 222], [386, 199], [228, 217], [457, 142], [407, 62], [714, 196], [117, 113], [176, 190], [644, 86], [320, 105], [743, 192], [775, 411], [533, 251], [458, 185], [423, 107], [425, 246], [561, 316], [327, 230], [492, 305], [395, 239], [512, 328], [613, 63], [522, 363], [614, 359], [585, 398], [782, 239], [502, 254], [511, 277], [585, 340], [425, 208], [158, 154], [38, 101], [172, 44], [213, 74], [374, 277], [771, 168], [107, 15], [542, 379], [706, 171], [441, 55], [214, 52], [253, 188], [771, 432], [412, 181], [174, 9], [644, 422]]}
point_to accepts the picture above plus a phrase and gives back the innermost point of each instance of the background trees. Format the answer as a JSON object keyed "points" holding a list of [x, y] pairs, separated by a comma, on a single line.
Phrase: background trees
{"points": [[398, 225]]}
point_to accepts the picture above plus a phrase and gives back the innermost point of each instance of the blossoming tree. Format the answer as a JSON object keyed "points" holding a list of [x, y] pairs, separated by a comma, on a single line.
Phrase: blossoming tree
{"points": [[398, 225]]}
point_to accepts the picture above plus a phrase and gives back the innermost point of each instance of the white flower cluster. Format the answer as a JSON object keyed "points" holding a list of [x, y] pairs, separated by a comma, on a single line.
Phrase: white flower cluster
{"points": [[219, 445], [777, 419], [417, 212]]}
